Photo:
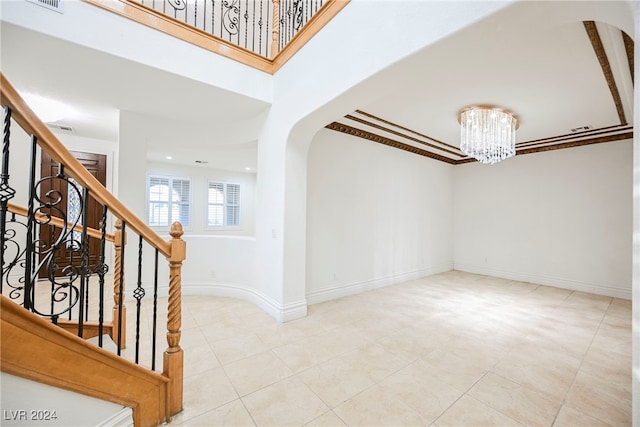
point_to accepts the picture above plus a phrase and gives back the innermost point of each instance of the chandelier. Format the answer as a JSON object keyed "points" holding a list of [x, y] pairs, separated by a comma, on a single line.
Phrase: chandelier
{"points": [[487, 133]]}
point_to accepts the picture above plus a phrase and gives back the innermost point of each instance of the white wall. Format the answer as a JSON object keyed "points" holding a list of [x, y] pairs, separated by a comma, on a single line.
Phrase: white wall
{"points": [[635, 332], [375, 216], [28, 403], [562, 219], [309, 94], [219, 262], [87, 25]]}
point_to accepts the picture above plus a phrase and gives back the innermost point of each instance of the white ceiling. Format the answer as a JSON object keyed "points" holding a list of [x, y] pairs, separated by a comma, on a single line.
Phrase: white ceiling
{"points": [[546, 73], [197, 118], [541, 68]]}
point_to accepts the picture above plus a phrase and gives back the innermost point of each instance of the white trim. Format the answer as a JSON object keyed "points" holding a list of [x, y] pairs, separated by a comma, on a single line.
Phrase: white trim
{"points": [[122, 418], [282, 313], [558, 282], [212, 236], [166, 228], [346, 289], [224, 226]]}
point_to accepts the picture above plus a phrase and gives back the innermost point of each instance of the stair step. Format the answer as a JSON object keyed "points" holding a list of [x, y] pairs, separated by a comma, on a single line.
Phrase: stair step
{"points": [[107, 343]]}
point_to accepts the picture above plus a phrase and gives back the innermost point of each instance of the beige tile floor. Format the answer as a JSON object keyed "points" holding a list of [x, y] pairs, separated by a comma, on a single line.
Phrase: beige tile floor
{"points": [[454, 349]]}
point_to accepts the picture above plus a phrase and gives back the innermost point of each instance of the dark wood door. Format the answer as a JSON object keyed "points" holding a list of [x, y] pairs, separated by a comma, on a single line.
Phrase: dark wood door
{"points": [[68, 256]]}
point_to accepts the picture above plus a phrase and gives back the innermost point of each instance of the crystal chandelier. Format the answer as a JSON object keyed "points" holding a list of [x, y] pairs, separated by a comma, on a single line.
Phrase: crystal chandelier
{"points": [[487, 133]]}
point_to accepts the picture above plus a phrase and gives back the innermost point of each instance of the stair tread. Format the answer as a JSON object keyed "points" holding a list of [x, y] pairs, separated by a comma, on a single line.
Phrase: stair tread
{"points": [[107, 343]]}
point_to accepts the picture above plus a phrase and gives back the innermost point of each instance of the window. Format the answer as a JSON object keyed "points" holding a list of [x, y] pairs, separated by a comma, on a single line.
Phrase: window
{"points": [[169, 200], [223, 209]]}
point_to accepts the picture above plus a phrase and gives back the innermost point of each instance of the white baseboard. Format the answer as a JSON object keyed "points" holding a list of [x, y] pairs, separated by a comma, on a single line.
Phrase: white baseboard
{"points": [[558, 282], [282, 313], [122, 418], [346, 289]]}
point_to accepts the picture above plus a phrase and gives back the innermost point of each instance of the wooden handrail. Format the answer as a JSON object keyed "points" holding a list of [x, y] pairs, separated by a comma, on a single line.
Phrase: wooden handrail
{"points": [[26, 118], [59, 223]]}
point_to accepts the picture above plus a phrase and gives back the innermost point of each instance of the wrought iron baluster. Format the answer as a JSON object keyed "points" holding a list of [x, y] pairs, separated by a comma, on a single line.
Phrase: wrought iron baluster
{"points": [[155, 313], [138, 294], [85, 272], [298, 16], [102, 269], [29, 259], [246, 23], [72, 257], [195, 14], [52, 306], [204, 16], [121, 286], [34, 260], [253, 25], [260, 24], [6, 192], [290, 19], [213, 16], [71, 240]]}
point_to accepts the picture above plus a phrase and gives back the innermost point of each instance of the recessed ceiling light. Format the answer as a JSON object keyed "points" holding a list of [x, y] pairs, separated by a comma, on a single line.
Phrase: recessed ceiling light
{"points": [[247, 169], [168, 157]]}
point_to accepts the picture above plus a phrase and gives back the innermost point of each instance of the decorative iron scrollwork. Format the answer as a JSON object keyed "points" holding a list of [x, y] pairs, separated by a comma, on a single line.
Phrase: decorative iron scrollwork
{"points": [[298, 9], [63, 281], [231, 16], [13, 258], [6, 193], [178, 4], [138, 293]]}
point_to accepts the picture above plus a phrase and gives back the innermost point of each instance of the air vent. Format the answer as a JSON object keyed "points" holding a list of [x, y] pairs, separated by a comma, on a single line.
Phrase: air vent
{"points": [[581, 129], [57, 5], [61, 128], [202, 162]]}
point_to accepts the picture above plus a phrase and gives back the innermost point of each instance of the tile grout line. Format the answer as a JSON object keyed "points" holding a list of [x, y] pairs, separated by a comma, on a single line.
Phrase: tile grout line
{"points": [[580, 366]]}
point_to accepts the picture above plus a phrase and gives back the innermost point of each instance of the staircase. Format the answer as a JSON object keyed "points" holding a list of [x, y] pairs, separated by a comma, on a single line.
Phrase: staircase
{"points": [[62, 308]]}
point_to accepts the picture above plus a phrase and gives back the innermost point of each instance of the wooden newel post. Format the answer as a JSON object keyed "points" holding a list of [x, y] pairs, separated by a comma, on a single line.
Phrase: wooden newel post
{"points": [[117, 268], [174, 356], [275, 29]]}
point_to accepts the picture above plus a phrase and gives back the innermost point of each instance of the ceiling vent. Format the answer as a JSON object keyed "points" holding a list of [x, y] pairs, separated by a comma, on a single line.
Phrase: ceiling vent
{"points": [[61, 128], [57, 5], [581, 129]]}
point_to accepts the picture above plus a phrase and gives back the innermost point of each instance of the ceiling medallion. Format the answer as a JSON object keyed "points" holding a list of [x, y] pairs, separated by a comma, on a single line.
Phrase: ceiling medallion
{"points": [[487, 133]]}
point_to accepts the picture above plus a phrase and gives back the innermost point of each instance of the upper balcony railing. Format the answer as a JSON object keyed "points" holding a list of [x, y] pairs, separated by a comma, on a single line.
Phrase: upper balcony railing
{"points": [[252, 24], [261, 33]]}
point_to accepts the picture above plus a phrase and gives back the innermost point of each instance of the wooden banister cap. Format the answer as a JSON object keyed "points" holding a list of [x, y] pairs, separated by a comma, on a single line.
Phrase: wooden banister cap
{"points": [[176, 230]]}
